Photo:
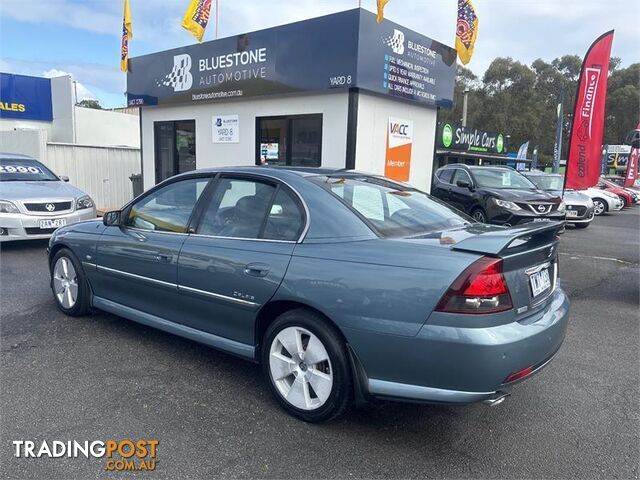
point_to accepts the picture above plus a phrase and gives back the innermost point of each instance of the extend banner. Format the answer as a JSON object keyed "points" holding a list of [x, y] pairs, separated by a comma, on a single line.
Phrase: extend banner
{"points": [[585, 144], [397, 164]]}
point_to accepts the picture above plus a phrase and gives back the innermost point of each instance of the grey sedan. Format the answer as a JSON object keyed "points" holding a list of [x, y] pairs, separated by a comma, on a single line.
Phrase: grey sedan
{"points": [[344, 286], [34, 201]]}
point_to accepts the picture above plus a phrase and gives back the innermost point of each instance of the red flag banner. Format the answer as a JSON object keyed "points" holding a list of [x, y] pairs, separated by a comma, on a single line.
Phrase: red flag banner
{"points": [[632, 168], [585, 143]]}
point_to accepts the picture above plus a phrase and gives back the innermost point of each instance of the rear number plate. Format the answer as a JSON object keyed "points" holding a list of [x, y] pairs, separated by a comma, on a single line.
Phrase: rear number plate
{"points": [[540, 282], [572, 213], [53, 223]]}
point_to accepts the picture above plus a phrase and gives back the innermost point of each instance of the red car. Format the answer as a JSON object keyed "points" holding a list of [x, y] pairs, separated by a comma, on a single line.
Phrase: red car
{"points": [[613, 188]]}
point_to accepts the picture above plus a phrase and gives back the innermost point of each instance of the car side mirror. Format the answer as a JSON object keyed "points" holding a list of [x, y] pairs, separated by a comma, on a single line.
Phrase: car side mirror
{"points": [[111, 218], [464, 184], [64, 178]]}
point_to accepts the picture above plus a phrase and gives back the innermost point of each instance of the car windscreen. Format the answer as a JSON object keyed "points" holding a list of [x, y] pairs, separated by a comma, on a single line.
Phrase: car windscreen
{"points": [[547, 182], [501, 178], [24, 170], [391, 209]]}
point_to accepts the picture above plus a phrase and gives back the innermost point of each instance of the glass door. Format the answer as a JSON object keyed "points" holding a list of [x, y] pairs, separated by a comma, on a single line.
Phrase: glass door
{"points": [[175, 148]]}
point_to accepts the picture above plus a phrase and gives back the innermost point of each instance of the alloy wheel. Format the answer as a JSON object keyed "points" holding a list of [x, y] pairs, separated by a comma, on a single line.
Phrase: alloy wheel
{"points": [[300, 368], [479, 216], [598, 207], [65, 282]]}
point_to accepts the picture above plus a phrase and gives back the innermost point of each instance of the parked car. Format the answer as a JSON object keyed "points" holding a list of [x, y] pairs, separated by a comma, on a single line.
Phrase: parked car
{"points": [[34, 201], [495, 194], [635, 194], [580, 207], [341, 284], [626, 197], [619, 181], [603, 200]]}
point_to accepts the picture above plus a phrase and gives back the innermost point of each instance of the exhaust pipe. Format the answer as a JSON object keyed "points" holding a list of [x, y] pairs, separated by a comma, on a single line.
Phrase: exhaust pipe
{"points": [[497, 399]]}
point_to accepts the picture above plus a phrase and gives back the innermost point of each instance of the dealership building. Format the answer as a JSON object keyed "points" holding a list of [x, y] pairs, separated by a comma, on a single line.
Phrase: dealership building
{"points": [[337, 91]]}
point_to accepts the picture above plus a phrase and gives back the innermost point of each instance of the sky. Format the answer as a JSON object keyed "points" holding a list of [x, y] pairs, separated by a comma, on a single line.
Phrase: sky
{"points": [[82, 38]]}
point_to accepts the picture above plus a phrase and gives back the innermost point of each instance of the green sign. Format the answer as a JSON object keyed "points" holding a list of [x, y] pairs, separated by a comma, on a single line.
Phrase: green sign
{"points": [[447, 135], [467, 139]]}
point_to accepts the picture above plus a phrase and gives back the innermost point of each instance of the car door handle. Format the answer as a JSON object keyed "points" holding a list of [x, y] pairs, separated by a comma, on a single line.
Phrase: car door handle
{"points": [[161, 257], [256, 269]]}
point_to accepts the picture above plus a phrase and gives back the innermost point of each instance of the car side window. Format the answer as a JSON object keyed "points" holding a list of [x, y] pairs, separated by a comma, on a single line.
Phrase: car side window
{"points": [[169, 208], [237, 209], [285, 220], [445, 175], [460, 175]]}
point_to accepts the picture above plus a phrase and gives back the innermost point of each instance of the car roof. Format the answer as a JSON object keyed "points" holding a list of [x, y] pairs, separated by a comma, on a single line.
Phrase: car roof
{"points": [[14, 156], [476, 167]]}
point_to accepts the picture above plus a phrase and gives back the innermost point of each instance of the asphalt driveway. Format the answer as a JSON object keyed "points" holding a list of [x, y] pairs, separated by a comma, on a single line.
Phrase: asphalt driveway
{"points": [[104, 377]]}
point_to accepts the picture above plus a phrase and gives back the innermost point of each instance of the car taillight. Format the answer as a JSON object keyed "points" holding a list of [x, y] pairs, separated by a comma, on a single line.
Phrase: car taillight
{"points": [[481, 288]]}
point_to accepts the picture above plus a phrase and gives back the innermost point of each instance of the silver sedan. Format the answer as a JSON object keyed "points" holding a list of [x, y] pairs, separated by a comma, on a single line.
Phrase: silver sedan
{"points": [[34, 202]]}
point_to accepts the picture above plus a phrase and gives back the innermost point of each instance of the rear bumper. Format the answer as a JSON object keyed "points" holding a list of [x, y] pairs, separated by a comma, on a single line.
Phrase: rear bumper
{"points": [[20, 226], [456, 365]]}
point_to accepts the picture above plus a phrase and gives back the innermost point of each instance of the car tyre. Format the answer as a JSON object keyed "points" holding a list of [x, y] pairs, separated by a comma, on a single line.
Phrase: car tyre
{"points": [[600, 206], [479, 215], [581, 225], [69, 284], [306, 365]]}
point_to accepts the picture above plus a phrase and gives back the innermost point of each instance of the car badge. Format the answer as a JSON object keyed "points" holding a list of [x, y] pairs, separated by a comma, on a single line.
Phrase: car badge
{"points": [[50, 207], [541, 208]]}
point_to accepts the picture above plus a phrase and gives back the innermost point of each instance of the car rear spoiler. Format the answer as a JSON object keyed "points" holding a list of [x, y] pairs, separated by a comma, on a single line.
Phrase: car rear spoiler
{"points": [[512, 240]]}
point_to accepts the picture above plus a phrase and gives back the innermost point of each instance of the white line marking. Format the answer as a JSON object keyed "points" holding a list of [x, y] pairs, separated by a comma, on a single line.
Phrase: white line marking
{"points": [[577, 257]]}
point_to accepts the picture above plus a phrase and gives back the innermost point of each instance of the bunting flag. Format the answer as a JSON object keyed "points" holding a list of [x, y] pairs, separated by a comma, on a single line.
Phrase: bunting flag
{"points": [[557, 146], [466, 30], [585, 142], [127, 34], [381, 4], [197, 17]]}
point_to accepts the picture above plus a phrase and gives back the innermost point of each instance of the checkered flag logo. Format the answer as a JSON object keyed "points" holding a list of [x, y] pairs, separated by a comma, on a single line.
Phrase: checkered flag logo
{"points": [[180, 78], [395, 41]]}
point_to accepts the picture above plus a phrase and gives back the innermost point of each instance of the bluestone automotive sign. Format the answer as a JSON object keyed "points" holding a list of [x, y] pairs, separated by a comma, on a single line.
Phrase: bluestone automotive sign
{"points": [[26, 98], [343, 50]]}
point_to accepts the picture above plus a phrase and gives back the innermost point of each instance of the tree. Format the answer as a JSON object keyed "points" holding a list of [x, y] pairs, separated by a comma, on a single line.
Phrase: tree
{"points": [[90, 103], [521, 100]]}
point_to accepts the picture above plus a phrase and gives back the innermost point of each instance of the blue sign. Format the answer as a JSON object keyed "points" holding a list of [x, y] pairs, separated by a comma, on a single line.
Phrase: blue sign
{"points": [[339, 51], [25, 98]]}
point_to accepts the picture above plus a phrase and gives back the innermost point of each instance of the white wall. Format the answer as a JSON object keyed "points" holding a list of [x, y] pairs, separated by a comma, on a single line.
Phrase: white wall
{"points": [[104, 127], [373, 116], [62, 98], [333, 106], [26, 142], [102, 172]]}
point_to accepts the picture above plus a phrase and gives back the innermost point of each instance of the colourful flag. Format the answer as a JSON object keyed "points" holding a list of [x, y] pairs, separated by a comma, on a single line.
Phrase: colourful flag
{"points": [[585, 142], [381, 5], [196, 18], [127, 34], [466, 30]]}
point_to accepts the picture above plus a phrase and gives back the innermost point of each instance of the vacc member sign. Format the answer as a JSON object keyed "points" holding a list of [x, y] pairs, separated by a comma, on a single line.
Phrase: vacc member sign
{"points": [[343, 50]]}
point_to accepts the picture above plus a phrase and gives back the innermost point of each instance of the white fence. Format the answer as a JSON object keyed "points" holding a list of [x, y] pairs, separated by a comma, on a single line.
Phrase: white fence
{"points": [[102, 172]]}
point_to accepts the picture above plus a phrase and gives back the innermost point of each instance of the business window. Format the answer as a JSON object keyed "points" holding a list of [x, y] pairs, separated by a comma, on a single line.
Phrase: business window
{"points": [[294, 140], [175, 148]]}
